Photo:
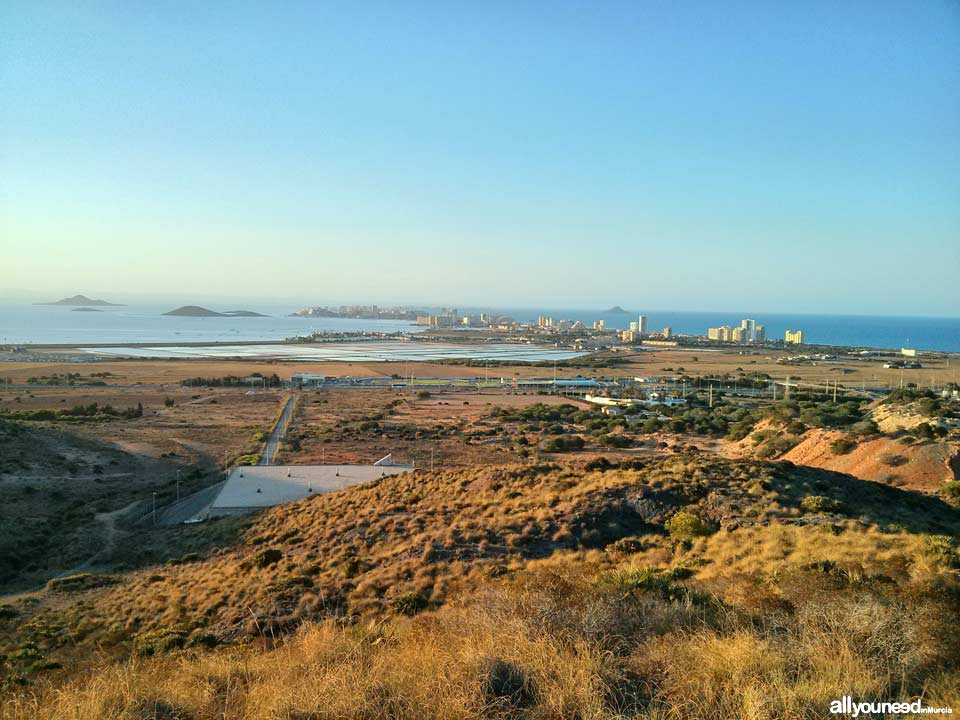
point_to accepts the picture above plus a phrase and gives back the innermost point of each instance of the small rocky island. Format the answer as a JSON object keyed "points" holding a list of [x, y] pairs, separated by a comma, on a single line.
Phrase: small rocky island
{"points": [[85, 309], [197, 311], [82, 300], [617, 309]]}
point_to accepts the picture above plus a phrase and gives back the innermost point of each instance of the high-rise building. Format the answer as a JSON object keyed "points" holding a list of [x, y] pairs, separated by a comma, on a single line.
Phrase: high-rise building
{"points": [[634, 327], [667, 332], [642, 325], [628, 335], [724, 333], [544, 321], [738, 334], [759, 334], [600, 325], [793, 337]]}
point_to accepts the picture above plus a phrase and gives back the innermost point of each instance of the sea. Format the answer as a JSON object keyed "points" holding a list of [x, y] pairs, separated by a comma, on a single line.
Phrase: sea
{"points": [[23, 323]]}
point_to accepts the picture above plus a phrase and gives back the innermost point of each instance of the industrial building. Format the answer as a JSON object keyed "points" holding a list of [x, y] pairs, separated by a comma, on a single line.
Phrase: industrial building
{"points": [[307, 379]]}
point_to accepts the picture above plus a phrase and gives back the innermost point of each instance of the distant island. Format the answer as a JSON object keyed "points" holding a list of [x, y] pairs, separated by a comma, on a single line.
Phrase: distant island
{"points": [[85, 309], [197, 311], [617, 309], [80, 300]]}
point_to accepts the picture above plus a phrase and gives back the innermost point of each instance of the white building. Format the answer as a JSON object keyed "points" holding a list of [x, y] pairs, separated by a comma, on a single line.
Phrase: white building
{"points": [[642, 325]]}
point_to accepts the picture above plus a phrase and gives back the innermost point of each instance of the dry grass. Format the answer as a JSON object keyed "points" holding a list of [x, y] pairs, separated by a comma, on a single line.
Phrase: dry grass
{"points": [[559, 642]]}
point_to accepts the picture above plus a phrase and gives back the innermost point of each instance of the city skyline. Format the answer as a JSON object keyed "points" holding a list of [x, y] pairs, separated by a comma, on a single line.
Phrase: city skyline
{"points": [[528, 155]]}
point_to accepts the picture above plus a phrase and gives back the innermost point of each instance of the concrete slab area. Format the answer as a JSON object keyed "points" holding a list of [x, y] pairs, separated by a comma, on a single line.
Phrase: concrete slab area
{"points": [[250, 488]]}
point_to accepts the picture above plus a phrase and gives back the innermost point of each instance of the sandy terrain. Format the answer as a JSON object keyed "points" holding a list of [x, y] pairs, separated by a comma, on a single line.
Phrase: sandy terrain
{"points": [[921, 466]]}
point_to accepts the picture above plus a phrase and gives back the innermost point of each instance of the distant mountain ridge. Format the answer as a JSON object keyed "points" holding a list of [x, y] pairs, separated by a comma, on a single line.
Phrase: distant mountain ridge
{"points": [[81, 300], [197, 311]]}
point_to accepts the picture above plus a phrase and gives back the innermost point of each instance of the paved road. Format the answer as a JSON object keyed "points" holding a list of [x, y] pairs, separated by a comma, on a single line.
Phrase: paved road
{"points": [[273, 442]]}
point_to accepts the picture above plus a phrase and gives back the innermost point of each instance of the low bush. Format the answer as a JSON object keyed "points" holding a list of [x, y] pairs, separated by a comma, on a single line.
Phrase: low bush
{"points": [[79, 582], [820, 504], [687, 526], [158, 642], [843, 445], [408, 603], [562, 443], [267, 557]]}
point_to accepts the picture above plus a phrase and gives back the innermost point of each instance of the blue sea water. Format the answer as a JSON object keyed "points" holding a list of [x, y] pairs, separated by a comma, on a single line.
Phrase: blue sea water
{"points": [[24, 323]]}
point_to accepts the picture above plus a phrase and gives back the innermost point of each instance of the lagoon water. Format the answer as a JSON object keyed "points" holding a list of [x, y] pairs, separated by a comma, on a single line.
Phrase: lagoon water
{"points": [[367, 351], [24, 323]]}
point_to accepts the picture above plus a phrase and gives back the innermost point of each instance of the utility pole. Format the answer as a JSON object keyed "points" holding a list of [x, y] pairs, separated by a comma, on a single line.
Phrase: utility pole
{"points": [[834, 391], [710, 394]]}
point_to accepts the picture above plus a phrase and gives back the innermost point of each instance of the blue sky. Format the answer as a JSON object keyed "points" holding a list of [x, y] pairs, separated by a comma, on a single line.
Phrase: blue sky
{"points": [[689, 155]]}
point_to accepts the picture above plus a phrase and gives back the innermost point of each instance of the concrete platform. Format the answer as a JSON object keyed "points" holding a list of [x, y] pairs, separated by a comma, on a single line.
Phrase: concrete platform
{"points": [[251, 488]]}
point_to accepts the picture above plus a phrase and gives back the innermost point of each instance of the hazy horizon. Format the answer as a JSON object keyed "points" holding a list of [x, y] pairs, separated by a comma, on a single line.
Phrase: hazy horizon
{"points": [[790, 158], [250, 302]]}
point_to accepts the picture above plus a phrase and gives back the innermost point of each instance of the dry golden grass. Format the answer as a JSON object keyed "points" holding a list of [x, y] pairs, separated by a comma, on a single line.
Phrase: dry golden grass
{"points": [[554, 643], [539, 592]]}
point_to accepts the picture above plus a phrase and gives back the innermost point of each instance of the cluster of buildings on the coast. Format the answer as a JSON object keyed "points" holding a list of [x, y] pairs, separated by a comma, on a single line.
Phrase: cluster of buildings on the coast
{"points": [[748, 332]]}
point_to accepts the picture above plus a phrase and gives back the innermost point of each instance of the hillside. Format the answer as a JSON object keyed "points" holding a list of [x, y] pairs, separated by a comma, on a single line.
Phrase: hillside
{"points": [[81, 300], [562, 592], [901, 461]]}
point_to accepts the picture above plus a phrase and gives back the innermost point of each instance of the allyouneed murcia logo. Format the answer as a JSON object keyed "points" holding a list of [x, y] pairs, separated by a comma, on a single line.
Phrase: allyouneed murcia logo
{"points": [[847, 706]]}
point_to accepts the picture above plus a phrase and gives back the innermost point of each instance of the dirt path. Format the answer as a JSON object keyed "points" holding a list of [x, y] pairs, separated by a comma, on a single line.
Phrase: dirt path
{"points": [[109, 522]]}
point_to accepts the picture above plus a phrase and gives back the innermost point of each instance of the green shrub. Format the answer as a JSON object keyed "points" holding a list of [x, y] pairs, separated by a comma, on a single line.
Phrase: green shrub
{"points": [[950, 490], [626, 546], [687, 526], [408, 603], [79, 582], [562, 443], [892, 460], [843, 445], [157, 642], [820, 504], [616, 441], [944, 549]]}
